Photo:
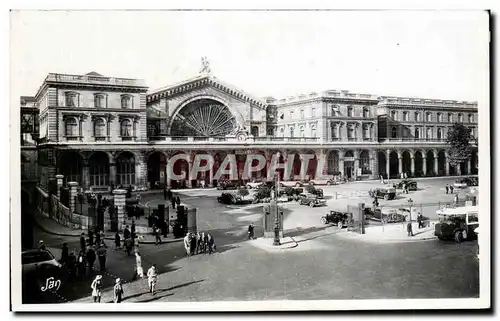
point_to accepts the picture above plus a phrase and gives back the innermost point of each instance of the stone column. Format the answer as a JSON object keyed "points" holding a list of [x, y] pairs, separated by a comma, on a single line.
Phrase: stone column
{"points": [[424, 165], [400, 165], [458, 170], [112, 174], [140, 171], [119, 201], [412, 164], [388, 163], [436, 165], [59, 184], [356, 163], [341, 165], [188, 170], [86, 176], [374, 164], [72, 195], [469, 167]]}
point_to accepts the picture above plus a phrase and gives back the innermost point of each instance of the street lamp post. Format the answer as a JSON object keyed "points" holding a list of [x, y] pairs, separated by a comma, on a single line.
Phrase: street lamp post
{"points": [[410, 201], [276, 211]]}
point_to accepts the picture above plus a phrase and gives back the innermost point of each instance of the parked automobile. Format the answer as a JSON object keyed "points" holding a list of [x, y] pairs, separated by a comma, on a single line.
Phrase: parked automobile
{"points": [[251, 185], [465, 182], [340, 219], [227, 198], [328, 182], [314, 190], [412, 185], [385, 193], [32, 260], [457, 223], [311, 200], [223, 185], [291, 184]]}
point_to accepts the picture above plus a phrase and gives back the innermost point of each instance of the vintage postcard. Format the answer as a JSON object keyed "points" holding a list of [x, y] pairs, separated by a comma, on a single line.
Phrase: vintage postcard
{"points": [[186, 160]]}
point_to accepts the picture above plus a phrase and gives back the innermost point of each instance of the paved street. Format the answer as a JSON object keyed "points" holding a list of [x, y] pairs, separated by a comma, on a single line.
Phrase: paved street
{"points": [[321, 267]]}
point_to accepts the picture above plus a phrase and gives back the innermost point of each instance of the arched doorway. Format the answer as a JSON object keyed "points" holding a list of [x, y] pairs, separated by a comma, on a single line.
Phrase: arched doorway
{"points": [[382, 163], [258, 175], [349, 164], [99, 169], [430, 163], [125, 169], [70, 165], [333, 163], [157, 170], [442, 164], [296, 165], [394, 164], [406, 163], [202, 177], [203, 118], [180, 167], [419, 161], [312, 166]]}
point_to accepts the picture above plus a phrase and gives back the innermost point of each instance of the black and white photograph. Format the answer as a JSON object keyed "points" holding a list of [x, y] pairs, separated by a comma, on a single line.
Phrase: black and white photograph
{"points": [[249, 160]]}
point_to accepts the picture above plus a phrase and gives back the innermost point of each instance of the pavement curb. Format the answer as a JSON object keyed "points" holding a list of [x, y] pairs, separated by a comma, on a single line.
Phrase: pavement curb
{"points": [[356, 237], [46, 230]]}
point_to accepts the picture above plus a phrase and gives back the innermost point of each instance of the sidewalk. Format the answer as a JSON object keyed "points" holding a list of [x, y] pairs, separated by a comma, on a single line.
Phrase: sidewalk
{"points": [[394, 233], [50, 226]]}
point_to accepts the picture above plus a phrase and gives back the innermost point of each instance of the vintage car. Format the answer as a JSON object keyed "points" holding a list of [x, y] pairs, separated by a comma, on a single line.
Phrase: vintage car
{"points": [[328, 182], [340, 219], [457, 223], [311, 200], [32, 260], [385, 193], [412, 185], [223, 185], [251, 185], [229, 199], [293, 183], [314, 190], [465, 182]]}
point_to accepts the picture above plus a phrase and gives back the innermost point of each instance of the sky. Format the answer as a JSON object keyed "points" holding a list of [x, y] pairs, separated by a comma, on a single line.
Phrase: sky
{"points": [[427, 54]]}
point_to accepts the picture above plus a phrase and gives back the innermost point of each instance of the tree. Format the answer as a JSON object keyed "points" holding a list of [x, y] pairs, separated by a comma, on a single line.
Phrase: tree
{"points": [[459, 138]]}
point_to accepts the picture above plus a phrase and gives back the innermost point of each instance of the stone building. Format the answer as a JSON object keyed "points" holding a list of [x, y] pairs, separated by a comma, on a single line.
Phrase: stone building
{"points": [[102, 131]]}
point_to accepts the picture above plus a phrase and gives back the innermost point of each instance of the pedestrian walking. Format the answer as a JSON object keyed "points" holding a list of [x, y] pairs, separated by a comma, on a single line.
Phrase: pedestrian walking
{"points": [[126, 233], [192, 244], [152, 278], [165, 229], [118, 291], [41, 245], [90, 256], [101, 255], [96, 287], [102, 237], [455, 199], [447, 188], [157, 235], [83, 244], [178, 201], [91, 236], [64, 254], [251, 231], [409, 228], [118, 241], [187, 243], [211, 243], [138, 271], [451, 189], [419, 220], [199, 243]]}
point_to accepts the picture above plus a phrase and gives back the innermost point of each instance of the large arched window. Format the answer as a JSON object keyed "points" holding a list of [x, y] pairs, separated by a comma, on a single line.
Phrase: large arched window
{"points": [[417, 133], [349, 111], [313, 130], [71, 99], [471, 118], [394, 132], [428, 116], [366, 112], [302, 131], [126, 128], [335, 110], [405, 116], [282, 132], [364, 162], [394, 115], [439, 133], [350, 132], [71, 127], [417, 116], [450, 117], [429, 132], [292, 132], [460, 118], [366, 131], [334, 131], [126, 101], [99, 128], [439, 117], [302, 116]]}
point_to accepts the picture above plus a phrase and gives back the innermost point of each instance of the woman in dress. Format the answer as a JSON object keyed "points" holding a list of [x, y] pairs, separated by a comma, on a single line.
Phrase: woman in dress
{"points": [[118, 291], [96, 288]]}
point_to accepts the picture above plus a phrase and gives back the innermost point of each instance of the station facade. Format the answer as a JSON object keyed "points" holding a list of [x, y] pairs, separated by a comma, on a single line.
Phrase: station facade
{"points": [[103, 132]]}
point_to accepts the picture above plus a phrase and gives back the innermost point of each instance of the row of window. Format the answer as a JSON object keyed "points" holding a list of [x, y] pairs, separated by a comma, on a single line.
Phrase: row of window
{"points": [[428, 117], [407, 133], [351, 131], [100, 100], [335, 111], [302, 131], [72, 128]]}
